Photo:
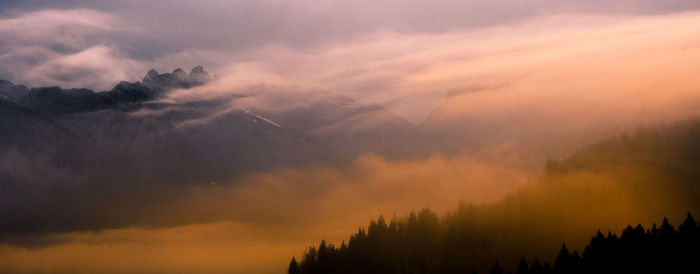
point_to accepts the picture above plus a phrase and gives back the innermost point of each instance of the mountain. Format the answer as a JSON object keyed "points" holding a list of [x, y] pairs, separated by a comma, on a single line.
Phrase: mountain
{"points": [[134, 132], [73, 150], [89, 131], [351, 128], [31, 142], [9, 91]]}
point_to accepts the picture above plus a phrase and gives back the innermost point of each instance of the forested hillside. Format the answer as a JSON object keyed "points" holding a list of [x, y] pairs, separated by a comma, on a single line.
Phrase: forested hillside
{"points": [[635, 178], [417, 245]]}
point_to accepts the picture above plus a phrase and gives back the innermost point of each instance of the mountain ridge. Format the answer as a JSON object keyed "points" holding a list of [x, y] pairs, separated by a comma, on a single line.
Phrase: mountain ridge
{"points": [[319, 129]]}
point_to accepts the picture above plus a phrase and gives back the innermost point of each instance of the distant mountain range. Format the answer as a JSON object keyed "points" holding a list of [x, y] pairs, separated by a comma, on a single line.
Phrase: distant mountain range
{"points": [[132, 133]]}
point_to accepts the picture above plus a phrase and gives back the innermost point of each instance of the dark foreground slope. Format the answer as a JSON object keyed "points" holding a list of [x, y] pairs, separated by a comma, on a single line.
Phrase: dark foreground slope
{"points": [[635, 178], [404, 248]]}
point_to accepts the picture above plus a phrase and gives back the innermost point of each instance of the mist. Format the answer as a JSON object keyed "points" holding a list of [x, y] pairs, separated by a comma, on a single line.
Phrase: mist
{"points": [[489, 93], [234, 227], [229, 228]]}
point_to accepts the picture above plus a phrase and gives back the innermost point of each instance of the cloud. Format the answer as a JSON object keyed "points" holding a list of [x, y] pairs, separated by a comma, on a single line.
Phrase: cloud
{"points": [[382, 62], [556, 91], [222, 247], [251, 225], [97, 67], [70, 48], [247, 24], [62, 30], [619, 71]]}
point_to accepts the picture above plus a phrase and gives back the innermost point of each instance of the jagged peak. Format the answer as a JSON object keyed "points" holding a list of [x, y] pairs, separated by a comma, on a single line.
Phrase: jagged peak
{"points": [[152, 73], [177, 79], [197, 69], [199, 75], [180, 74]]}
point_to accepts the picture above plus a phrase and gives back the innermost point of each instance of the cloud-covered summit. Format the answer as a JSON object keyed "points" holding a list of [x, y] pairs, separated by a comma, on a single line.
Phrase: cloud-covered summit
{"points": [[176, 79], [55, 100]]}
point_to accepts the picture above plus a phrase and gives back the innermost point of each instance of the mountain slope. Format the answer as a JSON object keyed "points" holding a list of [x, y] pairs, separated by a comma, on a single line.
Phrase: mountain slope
{"points": [[88, 159]]}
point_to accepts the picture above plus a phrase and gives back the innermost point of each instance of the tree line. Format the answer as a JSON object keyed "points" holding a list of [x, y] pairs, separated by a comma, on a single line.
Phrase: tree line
{"points": [[415, 245], [647, 173]]}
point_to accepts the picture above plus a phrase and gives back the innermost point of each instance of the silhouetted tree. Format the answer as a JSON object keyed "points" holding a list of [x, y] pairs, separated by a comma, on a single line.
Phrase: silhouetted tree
{"points": [[536, 268], [497, 269], [522, 267], [293, 267], [689, 228], [561, 263]]}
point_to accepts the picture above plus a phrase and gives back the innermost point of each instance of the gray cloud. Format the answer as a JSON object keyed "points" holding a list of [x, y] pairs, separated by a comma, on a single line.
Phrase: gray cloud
{"points": [[72, 48], [238, 25]]}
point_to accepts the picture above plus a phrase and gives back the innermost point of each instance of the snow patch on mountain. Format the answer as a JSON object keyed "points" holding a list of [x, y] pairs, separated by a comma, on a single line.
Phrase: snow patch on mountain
{"points": [[261, 118]]}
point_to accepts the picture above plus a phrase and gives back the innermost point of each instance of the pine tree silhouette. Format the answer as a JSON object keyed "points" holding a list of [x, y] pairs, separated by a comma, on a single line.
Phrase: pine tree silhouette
{"points": [[415, 246], [497, 269], [522, 266], [293, 267]]}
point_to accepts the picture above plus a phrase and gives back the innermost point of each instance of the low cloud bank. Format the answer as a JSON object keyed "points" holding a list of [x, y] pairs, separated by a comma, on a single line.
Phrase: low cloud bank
{"points": [[250, 226]]}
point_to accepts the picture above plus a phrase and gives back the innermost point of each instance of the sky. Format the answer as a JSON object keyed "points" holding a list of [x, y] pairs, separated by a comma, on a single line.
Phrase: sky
{"points": [[331, 45], [484, 71]]}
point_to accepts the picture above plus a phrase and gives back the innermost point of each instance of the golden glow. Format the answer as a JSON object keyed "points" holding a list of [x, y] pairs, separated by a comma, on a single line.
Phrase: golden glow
{"points": [[567, 82]]}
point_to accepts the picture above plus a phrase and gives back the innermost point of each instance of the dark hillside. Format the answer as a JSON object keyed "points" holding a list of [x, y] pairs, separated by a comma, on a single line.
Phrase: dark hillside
{"points": [[634, 178]]}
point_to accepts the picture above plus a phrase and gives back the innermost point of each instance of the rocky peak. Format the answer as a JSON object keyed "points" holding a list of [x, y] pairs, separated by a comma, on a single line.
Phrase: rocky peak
{"points": [[197, 69], [198, 75], [177, 79], [180, 74], [151, 74]]}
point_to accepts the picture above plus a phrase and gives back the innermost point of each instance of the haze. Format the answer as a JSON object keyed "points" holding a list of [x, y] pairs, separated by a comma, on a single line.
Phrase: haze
{"points": [[492, 89]]}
